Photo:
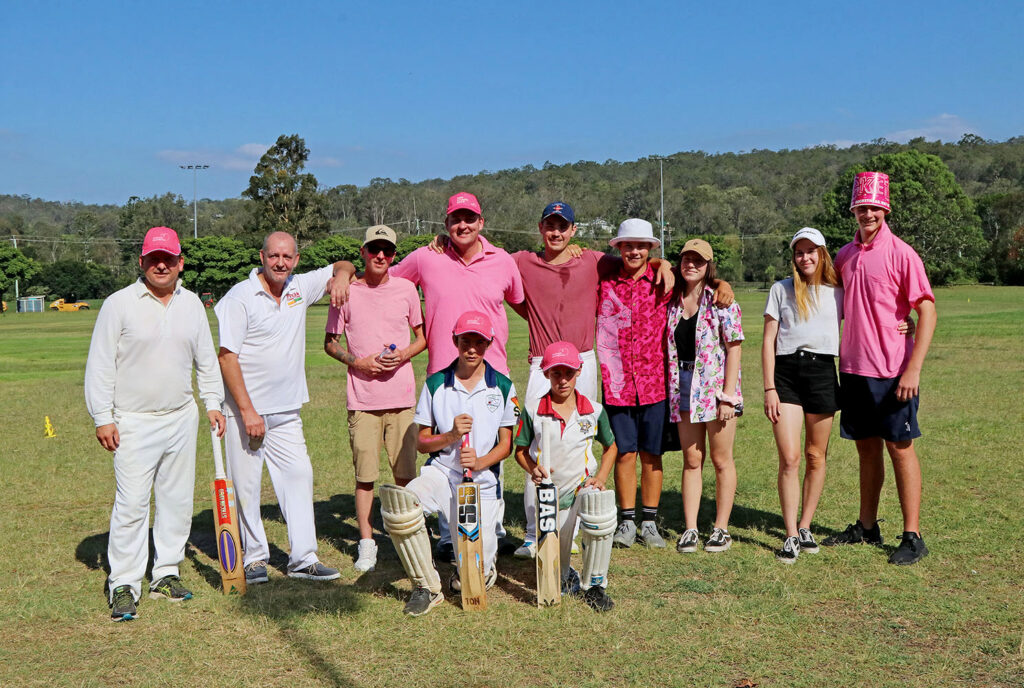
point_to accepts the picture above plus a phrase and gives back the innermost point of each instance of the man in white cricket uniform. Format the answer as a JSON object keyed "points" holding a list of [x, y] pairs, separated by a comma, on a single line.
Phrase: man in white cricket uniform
{"points": [[262, 357], [138, 389]]}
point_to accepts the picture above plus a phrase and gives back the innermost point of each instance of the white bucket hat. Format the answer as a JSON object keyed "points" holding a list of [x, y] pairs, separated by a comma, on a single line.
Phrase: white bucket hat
{"points": [[635, 229]]}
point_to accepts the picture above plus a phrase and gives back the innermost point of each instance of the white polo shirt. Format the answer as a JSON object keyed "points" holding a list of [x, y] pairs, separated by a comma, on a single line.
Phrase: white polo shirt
{"points": [[270, 338], [572, 458], [492, 404], [142, 352]]}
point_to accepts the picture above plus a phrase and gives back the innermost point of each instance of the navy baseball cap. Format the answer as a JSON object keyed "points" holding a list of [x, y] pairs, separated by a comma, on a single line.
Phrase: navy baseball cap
{"points": [[561, 209]]}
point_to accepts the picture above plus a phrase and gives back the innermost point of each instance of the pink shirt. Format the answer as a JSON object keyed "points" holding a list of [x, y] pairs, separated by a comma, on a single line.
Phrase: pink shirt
{"points": [[451, 287], [882, 282], [373, 318], [631, 320], [561, 300]]}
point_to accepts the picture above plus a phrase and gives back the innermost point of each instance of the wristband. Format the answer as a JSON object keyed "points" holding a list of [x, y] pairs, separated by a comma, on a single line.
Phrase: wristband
{"points": [[769, 389]]}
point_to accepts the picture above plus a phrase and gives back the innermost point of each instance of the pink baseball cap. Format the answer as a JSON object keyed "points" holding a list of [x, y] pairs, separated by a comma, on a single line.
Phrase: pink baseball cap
{"points": [[561, 354], [161, 239], [476, 322], [466, 200], [871, 188]]}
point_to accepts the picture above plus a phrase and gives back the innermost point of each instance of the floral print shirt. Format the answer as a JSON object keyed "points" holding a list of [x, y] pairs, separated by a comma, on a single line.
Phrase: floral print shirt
{"points": [[715, 327], [630, 334]]}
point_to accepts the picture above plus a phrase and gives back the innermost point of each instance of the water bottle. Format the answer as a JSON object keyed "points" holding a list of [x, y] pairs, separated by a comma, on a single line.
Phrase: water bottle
{"points": [[389, 349]]}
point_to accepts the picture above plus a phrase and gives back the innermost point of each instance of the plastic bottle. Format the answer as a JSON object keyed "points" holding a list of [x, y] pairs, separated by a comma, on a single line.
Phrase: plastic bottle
{"points": [[389, 349]]}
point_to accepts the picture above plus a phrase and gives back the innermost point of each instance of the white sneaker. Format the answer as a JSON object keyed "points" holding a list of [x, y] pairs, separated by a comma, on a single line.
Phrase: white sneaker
{"points": [[367, 559], [527, 550]]}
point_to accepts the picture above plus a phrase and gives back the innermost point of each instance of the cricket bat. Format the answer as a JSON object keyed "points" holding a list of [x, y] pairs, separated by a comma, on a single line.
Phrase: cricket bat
{"points": [[470, 546], [225, 526], [549, 568]]}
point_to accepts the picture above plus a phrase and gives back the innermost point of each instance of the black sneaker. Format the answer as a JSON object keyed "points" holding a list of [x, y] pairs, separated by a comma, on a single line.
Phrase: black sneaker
{"points": [[571, 583], [422, 601], [122, 605], [790, 550], [719, 541], [856, 534], [169, 587], [910, 551], [597, 599], [807, 543]]}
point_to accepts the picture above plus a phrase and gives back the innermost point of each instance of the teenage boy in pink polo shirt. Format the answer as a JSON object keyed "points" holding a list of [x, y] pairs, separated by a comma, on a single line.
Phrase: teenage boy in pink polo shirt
{"points": [[880, 368], [381, 388]]}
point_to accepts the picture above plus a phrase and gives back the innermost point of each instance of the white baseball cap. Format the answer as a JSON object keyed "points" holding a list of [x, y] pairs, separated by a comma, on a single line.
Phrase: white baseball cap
{"points": [[809, 233], [635, 229]]}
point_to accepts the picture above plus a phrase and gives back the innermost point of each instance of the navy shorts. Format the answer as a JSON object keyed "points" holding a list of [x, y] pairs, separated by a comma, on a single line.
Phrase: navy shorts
{"points": [[809, 380], [638, 428], [871, 409]]}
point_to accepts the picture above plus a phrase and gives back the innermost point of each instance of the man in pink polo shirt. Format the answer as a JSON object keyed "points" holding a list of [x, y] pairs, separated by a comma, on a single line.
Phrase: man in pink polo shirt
{"points": [[381, 391], [880, 368]]}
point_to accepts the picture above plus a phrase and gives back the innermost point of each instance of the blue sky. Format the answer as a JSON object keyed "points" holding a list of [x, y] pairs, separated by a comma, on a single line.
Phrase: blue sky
{"points": [[103, 101]]}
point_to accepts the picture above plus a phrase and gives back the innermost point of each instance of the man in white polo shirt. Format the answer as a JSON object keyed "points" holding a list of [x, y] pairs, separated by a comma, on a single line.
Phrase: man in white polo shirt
{"points": [[138, 389], [262, 356]]}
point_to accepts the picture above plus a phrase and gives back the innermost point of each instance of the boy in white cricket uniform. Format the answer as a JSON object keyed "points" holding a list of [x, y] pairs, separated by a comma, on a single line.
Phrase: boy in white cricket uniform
{"points": [[262, 357], [572, 422], [138, 389], [469, 397]]}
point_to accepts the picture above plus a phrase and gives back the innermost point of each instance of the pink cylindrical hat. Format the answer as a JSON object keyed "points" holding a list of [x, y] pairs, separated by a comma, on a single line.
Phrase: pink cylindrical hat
{"points": [[161, 239], [871, 188], [476, 322], [465, 200], [561, 354]]}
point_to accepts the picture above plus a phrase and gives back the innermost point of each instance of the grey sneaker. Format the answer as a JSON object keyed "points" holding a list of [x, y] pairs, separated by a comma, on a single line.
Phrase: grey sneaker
{"points": [[597, 599], [807, 543], [719, 541], [625, 536], [169, 587], [122, 605], [422, 601], [571, 583], [256, 573], [315, 571], [527, 550], [650, 536], [790, 550], [687, 542], [367, 559]]}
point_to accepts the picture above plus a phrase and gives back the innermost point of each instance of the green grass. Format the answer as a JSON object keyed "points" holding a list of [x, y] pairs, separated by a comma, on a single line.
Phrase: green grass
{"points": [[841, 618]]}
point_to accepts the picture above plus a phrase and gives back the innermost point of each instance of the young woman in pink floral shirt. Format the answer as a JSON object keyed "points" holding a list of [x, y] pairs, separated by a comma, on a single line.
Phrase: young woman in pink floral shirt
{"points": [[703, 352]]}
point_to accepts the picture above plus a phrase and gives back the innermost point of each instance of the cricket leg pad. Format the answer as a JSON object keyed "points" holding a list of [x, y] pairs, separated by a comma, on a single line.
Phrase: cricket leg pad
{"points": [[402, 514], [597, 526]]}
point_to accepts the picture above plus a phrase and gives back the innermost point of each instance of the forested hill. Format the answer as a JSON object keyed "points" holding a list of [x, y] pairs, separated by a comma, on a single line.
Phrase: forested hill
{"points": [[749, 199]]}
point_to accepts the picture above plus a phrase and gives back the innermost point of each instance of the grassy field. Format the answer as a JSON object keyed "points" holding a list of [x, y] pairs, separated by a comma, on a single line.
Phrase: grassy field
{"points": [[842, 618]]}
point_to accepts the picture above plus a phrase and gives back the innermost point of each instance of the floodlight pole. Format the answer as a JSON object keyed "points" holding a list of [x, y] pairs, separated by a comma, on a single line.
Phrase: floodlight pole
{"points": [[661, 175], [195, 198]]}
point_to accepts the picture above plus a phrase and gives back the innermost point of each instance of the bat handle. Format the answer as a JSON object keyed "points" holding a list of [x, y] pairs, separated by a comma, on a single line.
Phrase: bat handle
{"points": [[467, 475], [218, 457]]}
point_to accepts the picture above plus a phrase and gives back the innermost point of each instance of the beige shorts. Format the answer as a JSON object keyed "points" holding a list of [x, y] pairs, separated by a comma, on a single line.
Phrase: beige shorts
{"points": [[393, 429]]}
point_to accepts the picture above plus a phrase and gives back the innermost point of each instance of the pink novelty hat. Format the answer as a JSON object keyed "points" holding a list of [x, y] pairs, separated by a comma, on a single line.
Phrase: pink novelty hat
{"points": [[871, 188], [465, 200], [161, 239], [561, 354], [476, 322]]}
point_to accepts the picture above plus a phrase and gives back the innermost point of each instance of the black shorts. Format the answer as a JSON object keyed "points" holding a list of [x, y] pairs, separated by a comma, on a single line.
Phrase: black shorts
{"points": [[808, 380], [871, 409], [638, 427]]}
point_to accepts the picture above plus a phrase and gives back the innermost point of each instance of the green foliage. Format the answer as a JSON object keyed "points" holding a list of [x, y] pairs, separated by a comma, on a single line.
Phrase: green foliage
{"points": [[72, 279], [286, 198], [1002, 219], [140, 214], [331, 249], [724, 248], [929, 211], [216, 263], [15, 265], [408, 244]]}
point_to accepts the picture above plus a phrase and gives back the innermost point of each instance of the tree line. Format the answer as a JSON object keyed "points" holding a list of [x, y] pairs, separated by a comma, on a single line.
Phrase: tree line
{"points": [[961, 205]]}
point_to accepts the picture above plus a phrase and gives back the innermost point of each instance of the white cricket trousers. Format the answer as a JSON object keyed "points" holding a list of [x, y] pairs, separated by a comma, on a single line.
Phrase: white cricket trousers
{"points": [[536, 387], [437, 496], [156, 454], [291, 473]]}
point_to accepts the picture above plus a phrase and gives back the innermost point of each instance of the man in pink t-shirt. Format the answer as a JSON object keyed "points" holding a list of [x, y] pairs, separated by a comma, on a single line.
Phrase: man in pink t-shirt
{"points": [[381, 389], [879, 367]]}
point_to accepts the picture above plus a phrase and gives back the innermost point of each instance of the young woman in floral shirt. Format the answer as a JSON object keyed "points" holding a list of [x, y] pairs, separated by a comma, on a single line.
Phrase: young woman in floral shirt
{"points": [[703, 351]]}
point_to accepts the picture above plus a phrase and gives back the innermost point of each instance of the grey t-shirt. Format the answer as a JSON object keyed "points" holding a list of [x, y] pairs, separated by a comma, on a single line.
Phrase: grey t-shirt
{"points": [[819, 333]]}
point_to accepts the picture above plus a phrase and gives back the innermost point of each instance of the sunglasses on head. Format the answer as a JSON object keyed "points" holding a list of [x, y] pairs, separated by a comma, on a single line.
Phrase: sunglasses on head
{"points": [[376, 248]]}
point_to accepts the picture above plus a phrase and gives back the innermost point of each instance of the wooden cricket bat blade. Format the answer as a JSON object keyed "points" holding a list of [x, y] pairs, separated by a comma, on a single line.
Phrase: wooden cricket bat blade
{"points": [[549, 569], [225, 528], [470, 546]]}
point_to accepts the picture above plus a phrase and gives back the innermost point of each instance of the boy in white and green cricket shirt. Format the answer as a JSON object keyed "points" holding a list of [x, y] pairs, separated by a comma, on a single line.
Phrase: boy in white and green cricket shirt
{"points": [[572, 423]]}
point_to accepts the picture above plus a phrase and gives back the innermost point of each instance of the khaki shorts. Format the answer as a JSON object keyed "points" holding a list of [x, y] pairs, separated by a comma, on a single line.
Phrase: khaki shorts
{"points": [[393, 429]]}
